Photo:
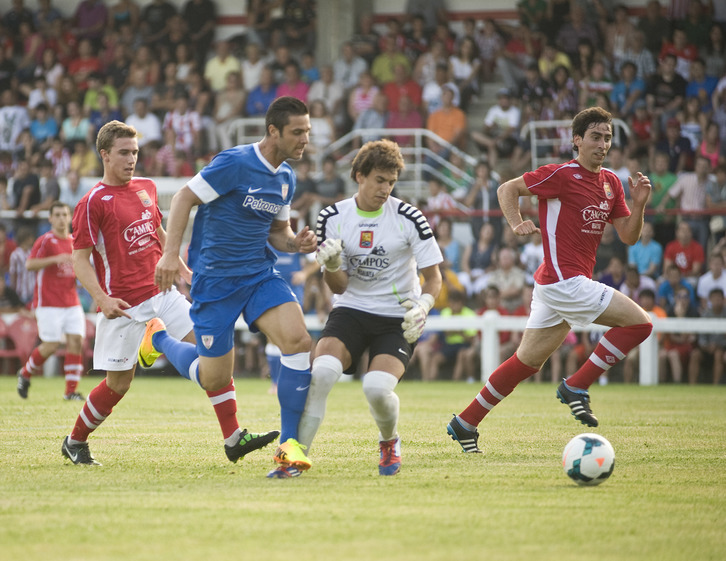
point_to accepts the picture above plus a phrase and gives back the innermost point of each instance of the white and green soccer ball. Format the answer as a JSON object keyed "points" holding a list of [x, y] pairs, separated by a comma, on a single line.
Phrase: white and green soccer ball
{"points": [[588, 459]]}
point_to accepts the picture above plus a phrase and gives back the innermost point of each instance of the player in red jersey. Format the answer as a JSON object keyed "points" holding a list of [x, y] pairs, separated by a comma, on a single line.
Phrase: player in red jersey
{"points": [[118, 239], [576, 200], [58, 310]]}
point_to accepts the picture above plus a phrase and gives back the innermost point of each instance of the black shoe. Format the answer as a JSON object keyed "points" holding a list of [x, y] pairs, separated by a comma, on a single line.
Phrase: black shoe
{"points": [[249, 442], [78, 453], [74, 396], [579, 404], [469, 439], [23, 385]]}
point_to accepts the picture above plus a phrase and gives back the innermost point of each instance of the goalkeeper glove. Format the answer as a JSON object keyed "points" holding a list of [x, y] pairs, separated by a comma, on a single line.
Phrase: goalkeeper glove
{"points": [[415, 318], [328, 255]]}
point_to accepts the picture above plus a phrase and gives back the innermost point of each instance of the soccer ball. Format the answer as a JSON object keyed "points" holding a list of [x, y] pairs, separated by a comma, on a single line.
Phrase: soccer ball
{"points": [[588, 459]]}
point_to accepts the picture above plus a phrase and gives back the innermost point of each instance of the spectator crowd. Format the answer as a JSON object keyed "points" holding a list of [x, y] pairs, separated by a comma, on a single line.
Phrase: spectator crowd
{"points": [[660, 70]]}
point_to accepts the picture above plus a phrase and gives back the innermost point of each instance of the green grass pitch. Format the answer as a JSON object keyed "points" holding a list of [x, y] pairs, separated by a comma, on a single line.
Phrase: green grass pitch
{"points": [[167, 492]]}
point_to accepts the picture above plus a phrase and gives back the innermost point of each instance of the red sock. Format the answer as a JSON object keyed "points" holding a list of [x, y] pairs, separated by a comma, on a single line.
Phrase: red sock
{"points": [[613, 347], [32, 366], [500, 384], [73, 368], [98, 406], [224, 402]]}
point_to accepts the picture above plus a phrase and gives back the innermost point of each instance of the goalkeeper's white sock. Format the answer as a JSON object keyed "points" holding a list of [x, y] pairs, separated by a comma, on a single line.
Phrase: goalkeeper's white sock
{"points": [[325, 372], [378, 387]]}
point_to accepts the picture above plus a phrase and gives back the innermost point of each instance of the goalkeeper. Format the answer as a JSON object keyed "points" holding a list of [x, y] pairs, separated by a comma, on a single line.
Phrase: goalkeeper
{"points": [[370, 247]]}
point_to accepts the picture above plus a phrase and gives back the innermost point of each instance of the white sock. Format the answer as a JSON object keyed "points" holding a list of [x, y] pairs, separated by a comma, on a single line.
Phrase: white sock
{"points": [[325, 372], [382, 401]]}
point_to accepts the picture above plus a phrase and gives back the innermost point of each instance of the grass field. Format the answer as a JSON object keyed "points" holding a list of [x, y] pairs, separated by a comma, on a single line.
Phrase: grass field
{"points": [[166, 490]]}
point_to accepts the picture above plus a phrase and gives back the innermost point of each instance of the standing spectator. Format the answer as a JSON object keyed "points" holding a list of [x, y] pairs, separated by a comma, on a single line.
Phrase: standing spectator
{"points": [[200, 18], [665, 91], [466, 70], [22, 281]]}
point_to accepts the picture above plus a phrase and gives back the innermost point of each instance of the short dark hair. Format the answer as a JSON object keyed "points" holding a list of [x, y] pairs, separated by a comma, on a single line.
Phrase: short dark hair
{"points": [[58, 204], [279, 113]]}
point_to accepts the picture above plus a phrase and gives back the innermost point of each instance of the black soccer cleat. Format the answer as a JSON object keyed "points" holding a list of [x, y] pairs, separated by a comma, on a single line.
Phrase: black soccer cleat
{"points": [[579, 404], [23, 385], [74, 396], [78, 453], [468, 439], [249, 442]]}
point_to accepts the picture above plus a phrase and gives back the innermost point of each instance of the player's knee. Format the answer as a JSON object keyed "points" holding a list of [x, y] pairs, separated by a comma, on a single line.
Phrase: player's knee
{"points": [[326, 372], [378, 385], [641, 331]]}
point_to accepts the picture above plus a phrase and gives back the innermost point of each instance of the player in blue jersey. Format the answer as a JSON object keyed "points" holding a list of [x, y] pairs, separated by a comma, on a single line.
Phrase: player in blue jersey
{"points": [[243, 198]]}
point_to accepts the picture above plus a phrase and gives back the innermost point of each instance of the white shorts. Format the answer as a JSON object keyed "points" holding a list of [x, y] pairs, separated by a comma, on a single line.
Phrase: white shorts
{"points": [[578, 301], [118, 339], [54, 322]]}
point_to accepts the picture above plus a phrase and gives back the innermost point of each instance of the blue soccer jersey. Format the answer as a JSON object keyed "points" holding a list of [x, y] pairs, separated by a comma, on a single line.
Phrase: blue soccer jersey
{"points": [[241, 194]]}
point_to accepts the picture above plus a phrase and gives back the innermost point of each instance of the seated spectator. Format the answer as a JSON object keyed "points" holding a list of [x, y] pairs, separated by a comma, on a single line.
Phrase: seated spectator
{"points": [[627, 91], [84, 160], [309, 71], [41, 93], [635, 283], [22, 281], [711, 147], [384, 64], [361, 96], [86, 63], [293, 85], [673, 143], [661, 180], [532, 256], [26, 187], [647, 253], [710, 346], [685, 253], [647, 302], [374, 117], [713, 51], [329, 187], [701, 85], [457, 347], [166, 90], [610, 246], [43, 128], [10, 302], [449, 123], [424, 71], [329, 91], [693, 122], [665, 91], [262, 96], [690, 191], [305, 196], [672, 281], [638, 54], [482, 198], [595, 83], [72, 188], [49, 188], [228, 107], [137, 88], [677, 347], [439, 201], [222, 63], [509, 277], [60, 156], [405, 116], [322, 128], [465, 70], [450, 246], [251, 65], [402, 85], [97, 86], [186, 124], [714, 278], [432, 93], [147, 125], [479, 260], [684, 52], [104, 114], [501, 129]]}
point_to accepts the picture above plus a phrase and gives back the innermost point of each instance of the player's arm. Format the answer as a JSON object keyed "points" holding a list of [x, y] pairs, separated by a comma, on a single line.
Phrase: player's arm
{"points": [[38, 263], [86, 274], [184, 271], [508, 194], [432, 281], [282, 238], [629, 227], [168, 266]]}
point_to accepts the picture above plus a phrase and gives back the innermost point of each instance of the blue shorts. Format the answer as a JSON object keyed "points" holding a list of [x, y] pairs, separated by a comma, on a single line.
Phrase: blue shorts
{"points": [[218, 302]]}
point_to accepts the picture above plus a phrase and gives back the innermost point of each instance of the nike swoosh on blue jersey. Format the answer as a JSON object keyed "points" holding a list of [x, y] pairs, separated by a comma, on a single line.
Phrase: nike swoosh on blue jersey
{"points": [[254, 190]]}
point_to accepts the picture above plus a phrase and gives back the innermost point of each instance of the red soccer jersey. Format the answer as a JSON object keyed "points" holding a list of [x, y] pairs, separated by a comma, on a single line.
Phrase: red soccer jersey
{"points": [[120, 223], [55, 285], [574, 205], [684, 257]]}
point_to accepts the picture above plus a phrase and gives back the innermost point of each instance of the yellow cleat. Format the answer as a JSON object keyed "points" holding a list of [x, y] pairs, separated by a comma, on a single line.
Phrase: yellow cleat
{"points": [[292, 453], [147, 353]]}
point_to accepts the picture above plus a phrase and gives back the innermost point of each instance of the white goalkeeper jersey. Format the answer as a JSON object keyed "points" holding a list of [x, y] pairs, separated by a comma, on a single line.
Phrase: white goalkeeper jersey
{"points": [[381, 253]]}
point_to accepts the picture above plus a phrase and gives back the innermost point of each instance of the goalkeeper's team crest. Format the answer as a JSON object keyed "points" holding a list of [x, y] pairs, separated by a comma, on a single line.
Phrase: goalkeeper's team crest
{"points": [[144, 197], [366, 239]]}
